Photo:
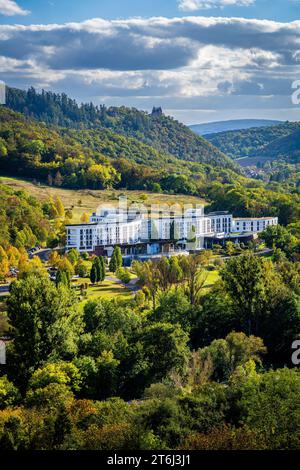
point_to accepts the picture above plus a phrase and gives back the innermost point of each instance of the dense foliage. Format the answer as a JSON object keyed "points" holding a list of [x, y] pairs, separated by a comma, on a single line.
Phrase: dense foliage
{"points": [[161, 132], [256, 201], [95, 159], [190, 366], [24, 221], [255, 141], [180, 364]]}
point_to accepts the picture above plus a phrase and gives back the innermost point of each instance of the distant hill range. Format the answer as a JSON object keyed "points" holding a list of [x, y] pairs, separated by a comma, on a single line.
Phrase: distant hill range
{"points": [[280, 141], [224, 126]]}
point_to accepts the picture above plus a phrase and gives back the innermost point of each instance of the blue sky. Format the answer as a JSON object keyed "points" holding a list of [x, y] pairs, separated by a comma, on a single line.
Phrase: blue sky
{"points": [[48, 11], [201, 60]]}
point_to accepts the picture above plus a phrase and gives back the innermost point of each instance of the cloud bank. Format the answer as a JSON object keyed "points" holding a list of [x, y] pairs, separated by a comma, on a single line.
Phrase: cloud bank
{"points": [[180, 63]]}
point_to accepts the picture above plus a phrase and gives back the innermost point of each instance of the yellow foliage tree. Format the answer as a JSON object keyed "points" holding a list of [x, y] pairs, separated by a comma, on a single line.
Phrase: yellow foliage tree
{"points": [[4, 265], [65, 265], [33, 266], [54, 259], [13, 255], [84, 218], [59, 206]]}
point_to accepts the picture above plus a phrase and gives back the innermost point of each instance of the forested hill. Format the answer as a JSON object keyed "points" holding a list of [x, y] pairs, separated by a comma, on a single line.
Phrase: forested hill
{"points": [[251, 142], [161, 132], [286, 148], [95, 158]]}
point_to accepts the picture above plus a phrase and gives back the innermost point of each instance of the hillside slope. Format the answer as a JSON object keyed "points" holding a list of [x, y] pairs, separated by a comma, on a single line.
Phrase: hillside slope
{"points": [[287, 148], [95, 159], [250, 142], [161, 132]]}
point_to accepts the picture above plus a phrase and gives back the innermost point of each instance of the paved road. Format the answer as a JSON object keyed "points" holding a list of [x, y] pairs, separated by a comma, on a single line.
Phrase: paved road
{"points": [[132, 285], [42, 254], [4, 289]]}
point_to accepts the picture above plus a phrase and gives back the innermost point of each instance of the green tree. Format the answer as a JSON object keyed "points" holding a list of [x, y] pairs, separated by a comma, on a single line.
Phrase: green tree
{"points": [[94, 274], [230, 248], [116, 260], [9, 394], [124, 275], [174, 307], [100, 267], [45, 325], [73, 256], [225, 355], [62, 277], [81, 269], [158, 350], [279, 237], [269, 403], [175, 270], [61, 372], [244, 280], [103, 268]]}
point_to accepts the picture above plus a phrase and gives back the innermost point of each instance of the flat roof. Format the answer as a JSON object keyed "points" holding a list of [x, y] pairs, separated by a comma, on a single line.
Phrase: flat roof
{"points": [[219, 213], [81, 225], [255, 218]]}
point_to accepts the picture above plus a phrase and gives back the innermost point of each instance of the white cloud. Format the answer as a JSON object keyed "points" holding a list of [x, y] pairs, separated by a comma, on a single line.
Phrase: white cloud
{"points": [[191, 62], [194, 5], [11, 8]]}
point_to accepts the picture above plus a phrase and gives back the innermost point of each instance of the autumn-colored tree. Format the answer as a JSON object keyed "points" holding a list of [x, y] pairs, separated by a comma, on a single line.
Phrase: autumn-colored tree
{"points": [[225, 437], [13, 255], [4, 264], [34, 266], [59, 206], [65, 265], [84, 218], [54, 259]]}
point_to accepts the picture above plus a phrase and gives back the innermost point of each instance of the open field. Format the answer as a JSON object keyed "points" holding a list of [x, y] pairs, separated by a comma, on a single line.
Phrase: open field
{"points": [[86, 200]]}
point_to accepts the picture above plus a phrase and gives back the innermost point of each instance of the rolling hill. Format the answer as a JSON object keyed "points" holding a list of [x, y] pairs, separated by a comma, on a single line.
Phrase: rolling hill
{"points": [[96, 158], [163, 133], [286, 148], [251, 142], [232, 125]]}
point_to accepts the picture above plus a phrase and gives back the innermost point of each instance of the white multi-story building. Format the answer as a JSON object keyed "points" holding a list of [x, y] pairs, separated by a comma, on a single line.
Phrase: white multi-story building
{"points": [[138, 233]]}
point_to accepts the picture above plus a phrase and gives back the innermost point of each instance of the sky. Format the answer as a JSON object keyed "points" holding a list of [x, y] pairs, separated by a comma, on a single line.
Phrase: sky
{"points": [[200, 60]]}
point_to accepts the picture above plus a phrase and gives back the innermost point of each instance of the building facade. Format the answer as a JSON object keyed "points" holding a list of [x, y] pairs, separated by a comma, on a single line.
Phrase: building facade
{"points": [[142, 234]]}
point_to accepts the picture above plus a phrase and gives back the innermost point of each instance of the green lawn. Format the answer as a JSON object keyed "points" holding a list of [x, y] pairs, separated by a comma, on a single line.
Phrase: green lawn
{"points": [[108, 289], [212, 278]]}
